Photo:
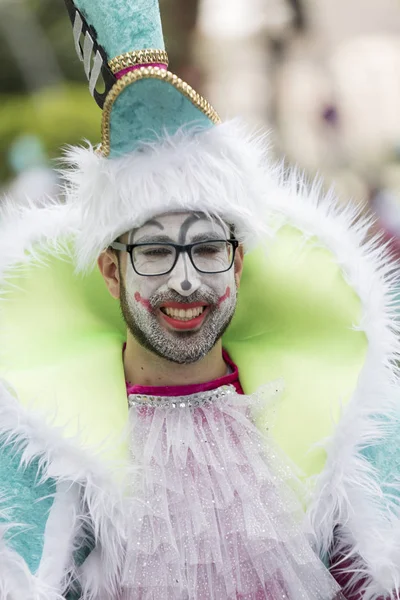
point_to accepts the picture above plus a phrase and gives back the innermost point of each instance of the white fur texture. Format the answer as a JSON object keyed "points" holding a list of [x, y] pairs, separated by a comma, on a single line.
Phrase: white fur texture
{"points": [[97, 509], [215, 172], [63, 528], [16, 581], [226, 173], [348, 493], [28, 233]]}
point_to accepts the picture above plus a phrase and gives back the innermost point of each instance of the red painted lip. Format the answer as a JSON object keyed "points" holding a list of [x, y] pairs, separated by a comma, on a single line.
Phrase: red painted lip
{"points": [[185, 325], [182, 305]]}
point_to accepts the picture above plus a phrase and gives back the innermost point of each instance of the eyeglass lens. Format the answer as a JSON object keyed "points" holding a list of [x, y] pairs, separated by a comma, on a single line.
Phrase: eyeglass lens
{"points": [[209, 257]]}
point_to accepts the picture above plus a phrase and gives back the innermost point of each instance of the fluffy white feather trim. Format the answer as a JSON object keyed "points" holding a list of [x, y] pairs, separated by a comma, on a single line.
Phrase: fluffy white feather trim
{"points": [[352, 504], [349, 499], [97, 511], [16, 581], [220, 171]]}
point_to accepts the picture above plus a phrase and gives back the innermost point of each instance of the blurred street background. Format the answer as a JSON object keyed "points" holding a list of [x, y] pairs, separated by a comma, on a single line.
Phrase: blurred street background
{"points": [[322, 75]]}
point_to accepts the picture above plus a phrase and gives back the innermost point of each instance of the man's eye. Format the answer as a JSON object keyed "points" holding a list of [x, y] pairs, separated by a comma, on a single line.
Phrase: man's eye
{"points": [[155, 252], [208, 249]]}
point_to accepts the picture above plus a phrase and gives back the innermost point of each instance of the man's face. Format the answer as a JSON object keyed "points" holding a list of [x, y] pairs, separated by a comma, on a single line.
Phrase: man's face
{"points": [[180, 315]]}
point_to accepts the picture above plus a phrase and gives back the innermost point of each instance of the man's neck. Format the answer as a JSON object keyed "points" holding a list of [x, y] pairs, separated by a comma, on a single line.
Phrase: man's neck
{"points": [[145, 368]]}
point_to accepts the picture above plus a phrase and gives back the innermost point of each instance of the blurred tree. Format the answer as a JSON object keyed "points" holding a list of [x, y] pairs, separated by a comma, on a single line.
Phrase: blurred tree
{"points": [[179, 21], [38, 34], [43, 89], [300, 18], [51, 19], [56, 116]]}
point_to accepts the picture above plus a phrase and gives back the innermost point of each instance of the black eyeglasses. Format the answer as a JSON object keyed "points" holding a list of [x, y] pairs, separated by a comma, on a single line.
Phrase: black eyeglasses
{"points": [[158, 258]]}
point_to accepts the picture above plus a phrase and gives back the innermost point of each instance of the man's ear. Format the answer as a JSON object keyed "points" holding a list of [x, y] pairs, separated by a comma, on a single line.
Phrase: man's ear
{"points": [[109, 268], [238, 266]]}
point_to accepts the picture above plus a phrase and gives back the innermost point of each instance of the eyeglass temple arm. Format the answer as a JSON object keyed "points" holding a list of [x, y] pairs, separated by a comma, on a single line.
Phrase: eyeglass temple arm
{"points": [[119, 246]]}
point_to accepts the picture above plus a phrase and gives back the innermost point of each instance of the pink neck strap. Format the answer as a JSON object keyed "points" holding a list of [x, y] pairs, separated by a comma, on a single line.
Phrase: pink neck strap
{"points": [[186, 390]]}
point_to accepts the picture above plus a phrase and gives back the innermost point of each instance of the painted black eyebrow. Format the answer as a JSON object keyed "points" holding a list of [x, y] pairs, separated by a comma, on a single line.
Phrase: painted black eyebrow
{"points": [[155, 223], [191, 220], [187, 223], [151, 222]]}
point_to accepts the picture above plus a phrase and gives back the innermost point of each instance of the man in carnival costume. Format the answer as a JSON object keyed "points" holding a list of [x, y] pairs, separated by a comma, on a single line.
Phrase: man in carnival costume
{"points": [[229, 408]]}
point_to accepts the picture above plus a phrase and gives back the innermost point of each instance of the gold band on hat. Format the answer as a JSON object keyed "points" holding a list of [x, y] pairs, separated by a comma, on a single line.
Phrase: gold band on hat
{"points": [[150, 73], [138, 57]]}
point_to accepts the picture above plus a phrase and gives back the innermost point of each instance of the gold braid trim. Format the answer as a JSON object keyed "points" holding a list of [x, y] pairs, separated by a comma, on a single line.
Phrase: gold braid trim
{"points": [[150, 73], [138, 57]]}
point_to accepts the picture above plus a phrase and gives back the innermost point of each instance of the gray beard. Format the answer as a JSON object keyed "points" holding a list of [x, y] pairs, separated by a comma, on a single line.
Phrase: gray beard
{"points": [[181, 347]]}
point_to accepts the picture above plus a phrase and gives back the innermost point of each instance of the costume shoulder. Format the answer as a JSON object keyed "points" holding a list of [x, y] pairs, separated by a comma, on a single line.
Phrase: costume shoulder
{"points": [[57, 505]]}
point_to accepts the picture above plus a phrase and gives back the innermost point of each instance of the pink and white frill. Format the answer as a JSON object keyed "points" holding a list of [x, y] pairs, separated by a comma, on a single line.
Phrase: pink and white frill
{"points": [[213, 516]]}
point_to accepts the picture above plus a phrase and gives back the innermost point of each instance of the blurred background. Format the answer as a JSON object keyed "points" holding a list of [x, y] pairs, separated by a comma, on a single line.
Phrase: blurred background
{"points": [[322, 75]]}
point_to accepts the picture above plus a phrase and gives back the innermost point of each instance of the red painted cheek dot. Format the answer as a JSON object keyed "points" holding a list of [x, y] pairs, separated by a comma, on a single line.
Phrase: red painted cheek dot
{"points": [[225, 296], [142, 301]]}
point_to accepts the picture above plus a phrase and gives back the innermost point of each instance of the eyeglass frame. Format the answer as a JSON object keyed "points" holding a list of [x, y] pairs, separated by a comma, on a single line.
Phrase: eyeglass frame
{"points": [[179, 249]]}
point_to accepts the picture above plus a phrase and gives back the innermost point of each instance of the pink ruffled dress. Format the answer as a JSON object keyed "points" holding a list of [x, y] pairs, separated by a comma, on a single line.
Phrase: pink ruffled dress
{"points": [[213, 516]]}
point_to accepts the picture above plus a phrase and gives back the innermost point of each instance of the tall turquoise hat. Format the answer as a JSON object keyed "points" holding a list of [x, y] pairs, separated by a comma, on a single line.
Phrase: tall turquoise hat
{"points": [[163, 147], [122, 48]]}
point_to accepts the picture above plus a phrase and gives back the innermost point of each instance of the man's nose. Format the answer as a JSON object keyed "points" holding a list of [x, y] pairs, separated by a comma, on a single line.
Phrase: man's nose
{"points": [[184, 278]]}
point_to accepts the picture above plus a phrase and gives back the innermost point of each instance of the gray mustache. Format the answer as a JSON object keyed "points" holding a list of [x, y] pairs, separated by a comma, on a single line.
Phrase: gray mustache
{"points": [[198, 296]]}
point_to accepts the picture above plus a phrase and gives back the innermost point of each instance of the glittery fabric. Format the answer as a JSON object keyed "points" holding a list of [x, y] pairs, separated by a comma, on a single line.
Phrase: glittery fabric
{"points": [[28, 498], [123, 26], [213, 516]]}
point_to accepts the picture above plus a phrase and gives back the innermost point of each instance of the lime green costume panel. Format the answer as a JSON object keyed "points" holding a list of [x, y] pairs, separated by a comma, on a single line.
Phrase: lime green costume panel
{"points": [[296, 319]]}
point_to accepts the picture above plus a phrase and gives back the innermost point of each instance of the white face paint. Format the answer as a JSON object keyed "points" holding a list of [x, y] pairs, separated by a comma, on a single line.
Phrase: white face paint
{"points": [[180, 315]]}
